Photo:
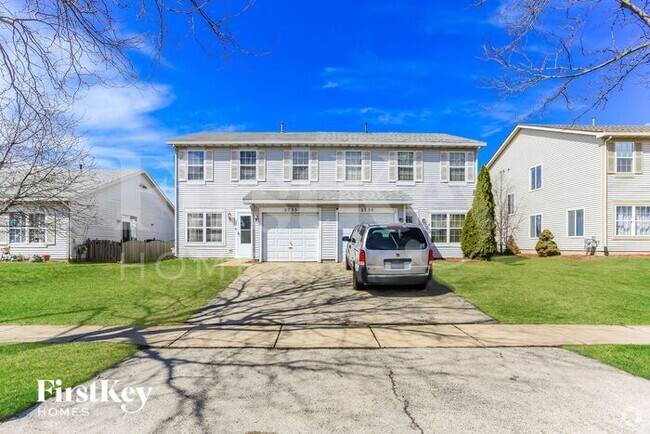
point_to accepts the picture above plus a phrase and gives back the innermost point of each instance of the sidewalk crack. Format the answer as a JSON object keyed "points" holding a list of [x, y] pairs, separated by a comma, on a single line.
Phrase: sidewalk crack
{"points": [[405, 402]]}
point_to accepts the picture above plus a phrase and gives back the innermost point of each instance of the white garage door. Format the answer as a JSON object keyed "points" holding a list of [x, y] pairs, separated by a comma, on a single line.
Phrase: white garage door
{"points": [[290, 237], [347, 222]]}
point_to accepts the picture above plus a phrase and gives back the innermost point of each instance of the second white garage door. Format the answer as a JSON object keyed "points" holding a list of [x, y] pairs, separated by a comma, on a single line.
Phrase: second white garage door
{"points": [[290, 237], [347, 222]]}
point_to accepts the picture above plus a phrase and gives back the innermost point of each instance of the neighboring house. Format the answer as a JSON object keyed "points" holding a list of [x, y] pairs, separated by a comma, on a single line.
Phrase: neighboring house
{"points": [[579, 181], [293, 196], [125, 205]]}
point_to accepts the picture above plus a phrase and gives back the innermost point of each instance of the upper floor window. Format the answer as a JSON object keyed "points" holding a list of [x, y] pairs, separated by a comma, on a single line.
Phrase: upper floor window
{"points": [[633, 221], [536, 177], [353, 165], [457, 166], [195, 165], [300, 165], [576, 223], [624, 157], [535, 225], [405, 163], [247, 165], [26, 228], [205, 227], [511, 204]]}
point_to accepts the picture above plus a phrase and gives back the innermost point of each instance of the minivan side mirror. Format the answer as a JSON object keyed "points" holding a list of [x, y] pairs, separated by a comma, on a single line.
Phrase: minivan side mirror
{"points": [[346, 238]]}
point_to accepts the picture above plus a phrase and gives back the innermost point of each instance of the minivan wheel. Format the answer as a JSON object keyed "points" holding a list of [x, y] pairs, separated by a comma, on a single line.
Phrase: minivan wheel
{"points": [[356, 283], [347, 265]]}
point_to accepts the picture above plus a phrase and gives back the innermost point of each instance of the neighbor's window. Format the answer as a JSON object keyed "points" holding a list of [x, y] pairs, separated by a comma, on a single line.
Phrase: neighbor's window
{"points": [[457, 166], [405, 161], [624, 157], [300, 161], [455, 227], [439, 228], [17, 223], [195, 165], [511, 204], [535, 225], [26, 228], [576, 223], [247, 165], [353, 165], [205, 227], [536, 177]]}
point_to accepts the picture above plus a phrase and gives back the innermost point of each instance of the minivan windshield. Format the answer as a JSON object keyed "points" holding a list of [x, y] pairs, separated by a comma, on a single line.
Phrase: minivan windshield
{"points": [[397, 238]]}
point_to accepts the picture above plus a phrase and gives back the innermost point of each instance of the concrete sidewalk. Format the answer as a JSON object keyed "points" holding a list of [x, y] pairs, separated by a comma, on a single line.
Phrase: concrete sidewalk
{"points": [[302, 337]]}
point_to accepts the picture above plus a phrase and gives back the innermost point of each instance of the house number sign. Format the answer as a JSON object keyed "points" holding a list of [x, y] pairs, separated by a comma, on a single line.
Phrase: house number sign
{"points": [[366, 210], [291, 210]]}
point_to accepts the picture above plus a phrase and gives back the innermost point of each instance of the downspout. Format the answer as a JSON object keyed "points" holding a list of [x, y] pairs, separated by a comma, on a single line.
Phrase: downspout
{"points": [[176, 199], [605, 196]]}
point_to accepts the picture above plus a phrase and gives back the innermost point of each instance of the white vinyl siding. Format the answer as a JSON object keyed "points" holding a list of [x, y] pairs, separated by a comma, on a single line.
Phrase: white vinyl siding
{"points": [[535, 178], [195, 165], [535, 224], [576, 223], [624, 157]]}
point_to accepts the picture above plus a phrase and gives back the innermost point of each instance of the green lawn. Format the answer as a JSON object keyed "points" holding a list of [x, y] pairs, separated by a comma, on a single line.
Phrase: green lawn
{"points": [[595, 290], [73, 363], [167, 292], [634, 359]]}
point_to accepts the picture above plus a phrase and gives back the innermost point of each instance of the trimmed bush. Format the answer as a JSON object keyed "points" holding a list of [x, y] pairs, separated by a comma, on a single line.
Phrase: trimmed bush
{"points": [[478, 239], [546, 246], [511, 246]]}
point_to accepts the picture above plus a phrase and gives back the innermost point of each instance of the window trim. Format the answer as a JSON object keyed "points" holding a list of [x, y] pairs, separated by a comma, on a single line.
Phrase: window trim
{"points": [[195, 181], [412, 167], [345, 167], [584, 219], [301, 181], [25, 236], [448, 229], [616, 158], [541, 226], [464, 181], [204, 241], [511, 211], [632, 236], [541, 176], [247, 181]]}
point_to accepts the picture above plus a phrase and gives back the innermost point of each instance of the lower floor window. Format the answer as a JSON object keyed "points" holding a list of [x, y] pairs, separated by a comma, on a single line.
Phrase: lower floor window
{"points": [[633, 221], [205, 227], [576, 222], [27, 228], [535, 225], [446, 228]]}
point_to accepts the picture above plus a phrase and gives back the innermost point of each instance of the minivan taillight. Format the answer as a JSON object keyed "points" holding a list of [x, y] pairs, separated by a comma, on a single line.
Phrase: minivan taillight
{"points": [[430, 256], [362, 257]]}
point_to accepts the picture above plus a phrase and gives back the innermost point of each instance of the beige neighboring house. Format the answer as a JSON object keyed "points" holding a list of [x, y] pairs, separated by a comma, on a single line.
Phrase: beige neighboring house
{"points": [[579, 181], [126, 205]]}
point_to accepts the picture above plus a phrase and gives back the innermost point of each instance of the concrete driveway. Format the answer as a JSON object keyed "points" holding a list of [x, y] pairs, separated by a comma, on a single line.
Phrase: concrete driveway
{"points": [[416, 390], [311, 294]]}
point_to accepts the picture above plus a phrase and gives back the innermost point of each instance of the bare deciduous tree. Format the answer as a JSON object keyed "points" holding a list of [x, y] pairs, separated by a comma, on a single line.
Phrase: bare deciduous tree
{"points": [[507, 216], [582, 49]]}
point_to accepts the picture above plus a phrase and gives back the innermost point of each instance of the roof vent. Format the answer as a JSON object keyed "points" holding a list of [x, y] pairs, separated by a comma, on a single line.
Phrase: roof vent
{"points": [[282, 126], [593, 120], [365, 127]]}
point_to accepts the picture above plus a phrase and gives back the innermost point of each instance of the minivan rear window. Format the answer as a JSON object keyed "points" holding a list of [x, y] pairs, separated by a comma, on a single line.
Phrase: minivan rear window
{"points": [[388, 238]]}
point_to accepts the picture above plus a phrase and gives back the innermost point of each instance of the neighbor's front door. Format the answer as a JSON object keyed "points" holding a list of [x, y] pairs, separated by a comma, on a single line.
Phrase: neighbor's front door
{"points": [[244, 236]]}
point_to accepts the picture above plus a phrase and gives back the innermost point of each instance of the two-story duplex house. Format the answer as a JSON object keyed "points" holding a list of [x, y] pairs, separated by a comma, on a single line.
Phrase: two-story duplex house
{"points": [[292, 196], [579, 181]]}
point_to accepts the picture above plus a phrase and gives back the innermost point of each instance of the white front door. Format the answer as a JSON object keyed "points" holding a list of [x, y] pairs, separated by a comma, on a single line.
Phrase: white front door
{"points": [[347, 222], [244, 235], [290, 237]]}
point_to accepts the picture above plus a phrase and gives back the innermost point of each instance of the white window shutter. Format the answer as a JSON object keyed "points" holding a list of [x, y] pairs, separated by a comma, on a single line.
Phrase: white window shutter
{"points": [[182, 165], [444, 167], [208, 164], [419, 166], [611, 157], [313, 165], [340, 166], [234, 165], [392, 166], [470, 166], [261, 165], [367, 166], [288, 165], [638, 158], [50, 229]]}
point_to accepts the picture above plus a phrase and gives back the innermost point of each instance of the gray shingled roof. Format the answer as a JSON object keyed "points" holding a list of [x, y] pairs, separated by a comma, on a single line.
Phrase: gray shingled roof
{"points": [[327, 196], [325, 139], [596, 128]]}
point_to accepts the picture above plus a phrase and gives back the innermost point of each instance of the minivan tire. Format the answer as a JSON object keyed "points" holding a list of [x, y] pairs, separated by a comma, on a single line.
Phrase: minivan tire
{"points": [[356, 283]]}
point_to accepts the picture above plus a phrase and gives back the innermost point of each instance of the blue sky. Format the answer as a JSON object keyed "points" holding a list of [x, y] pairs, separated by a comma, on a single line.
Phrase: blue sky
{"points": [[330, 66]]}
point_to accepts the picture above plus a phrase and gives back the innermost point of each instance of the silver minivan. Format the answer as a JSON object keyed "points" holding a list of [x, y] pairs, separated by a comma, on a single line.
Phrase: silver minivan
{"points": [[394, 254]]}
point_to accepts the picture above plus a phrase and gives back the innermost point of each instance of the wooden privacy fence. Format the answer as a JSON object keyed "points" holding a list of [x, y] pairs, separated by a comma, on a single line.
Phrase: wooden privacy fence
{"points": [[127, 252]]}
